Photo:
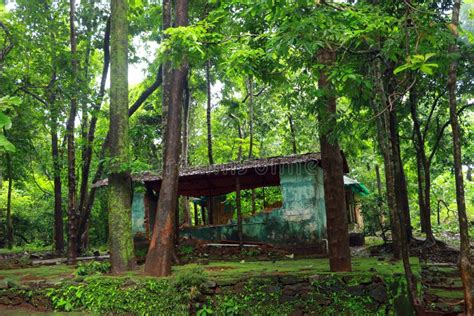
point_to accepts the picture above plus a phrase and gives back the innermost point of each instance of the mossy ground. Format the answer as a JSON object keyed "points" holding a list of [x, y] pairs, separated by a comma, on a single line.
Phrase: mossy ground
{"points": [[224, 270]]}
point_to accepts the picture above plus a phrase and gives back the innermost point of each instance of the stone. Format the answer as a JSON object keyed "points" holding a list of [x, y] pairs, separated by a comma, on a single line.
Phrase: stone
{"points": [[297, 312], [208, 287], [288, 291], [288, 280], [356, 239], [287, 298], [377, 279], [357, 290], [271, 289], [347, 278], [379, 294], [210, 284], [3, 284]]}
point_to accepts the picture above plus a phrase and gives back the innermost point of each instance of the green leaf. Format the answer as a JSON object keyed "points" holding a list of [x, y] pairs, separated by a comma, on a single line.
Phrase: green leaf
{"points": [[6, 145], [5, 121], [401, 68]]}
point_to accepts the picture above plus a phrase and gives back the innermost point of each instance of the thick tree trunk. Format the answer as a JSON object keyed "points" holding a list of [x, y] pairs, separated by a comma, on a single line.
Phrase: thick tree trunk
{"points": [[71, 152], [87, 154], [334, 194], [167, 75], [208, 113], [161, 250], [464, 255], [122, 256], [9, 235]]}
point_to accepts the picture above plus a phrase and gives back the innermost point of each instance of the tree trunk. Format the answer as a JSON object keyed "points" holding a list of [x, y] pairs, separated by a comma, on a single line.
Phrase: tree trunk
{"points": [[9, 235], [337, 229], [58, 209], [423, 170], [239, 211], [251, 114], [292, 133], [56, 161], [161, 249], [464, 255], [381, 114], [167, 75], [122, 255], [184, 150], [71, 153], [208, 114], [87, 154]]}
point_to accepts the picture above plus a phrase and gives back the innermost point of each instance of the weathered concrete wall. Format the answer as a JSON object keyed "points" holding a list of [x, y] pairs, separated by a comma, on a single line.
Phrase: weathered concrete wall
{"points": [[138, 213], [300, 221]]}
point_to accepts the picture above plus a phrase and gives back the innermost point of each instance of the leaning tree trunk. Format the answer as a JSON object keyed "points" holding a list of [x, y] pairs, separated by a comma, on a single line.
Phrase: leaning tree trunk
{"points": [[71, 153], [161, 249], [332, 163], [122, 256], [87, 154], [464, 254], [84, 222]]}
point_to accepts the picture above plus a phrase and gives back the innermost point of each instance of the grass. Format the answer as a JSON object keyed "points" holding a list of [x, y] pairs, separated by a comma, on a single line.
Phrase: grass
{"points": [[51, 273], [223, 271]]}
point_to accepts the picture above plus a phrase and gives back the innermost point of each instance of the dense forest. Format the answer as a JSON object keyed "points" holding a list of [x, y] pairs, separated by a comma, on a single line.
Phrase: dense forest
{"points": [[110, 89]]}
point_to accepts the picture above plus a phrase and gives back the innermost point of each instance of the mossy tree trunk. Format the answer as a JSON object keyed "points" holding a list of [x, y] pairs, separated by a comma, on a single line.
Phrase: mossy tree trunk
{"points": [[122, 255], [161, 249], [332, 163], [464, 254]]}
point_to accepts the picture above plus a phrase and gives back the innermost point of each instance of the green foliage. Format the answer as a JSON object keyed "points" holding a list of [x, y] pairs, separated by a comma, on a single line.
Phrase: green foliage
{"points": [[93, 267], [107, 295], [418, 62]]}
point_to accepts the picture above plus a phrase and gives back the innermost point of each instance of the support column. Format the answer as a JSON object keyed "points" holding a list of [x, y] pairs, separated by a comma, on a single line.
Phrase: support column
{"points": [[239, 210]]}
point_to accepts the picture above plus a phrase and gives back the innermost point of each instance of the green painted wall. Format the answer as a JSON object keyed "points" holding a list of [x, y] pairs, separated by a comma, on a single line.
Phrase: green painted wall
{"points": [[138, 213], [300, 221]]}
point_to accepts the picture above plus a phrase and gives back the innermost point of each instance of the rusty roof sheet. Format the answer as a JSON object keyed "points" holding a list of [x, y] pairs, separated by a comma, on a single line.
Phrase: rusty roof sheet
{"points": [[232, 167]]}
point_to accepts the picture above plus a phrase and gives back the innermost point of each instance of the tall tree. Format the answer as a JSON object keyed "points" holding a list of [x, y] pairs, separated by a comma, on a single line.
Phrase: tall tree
{"points": [[464, 255], [332, 163], [122, 255], [71, 152], [161, 250]]}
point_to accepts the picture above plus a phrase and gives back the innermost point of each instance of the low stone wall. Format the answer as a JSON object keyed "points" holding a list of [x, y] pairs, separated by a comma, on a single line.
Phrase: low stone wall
{"points": [[297, 295], [326, 294]]}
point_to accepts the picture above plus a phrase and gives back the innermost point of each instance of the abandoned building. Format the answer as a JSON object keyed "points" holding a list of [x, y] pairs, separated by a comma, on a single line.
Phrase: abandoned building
{"points": [[298, 219]]}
